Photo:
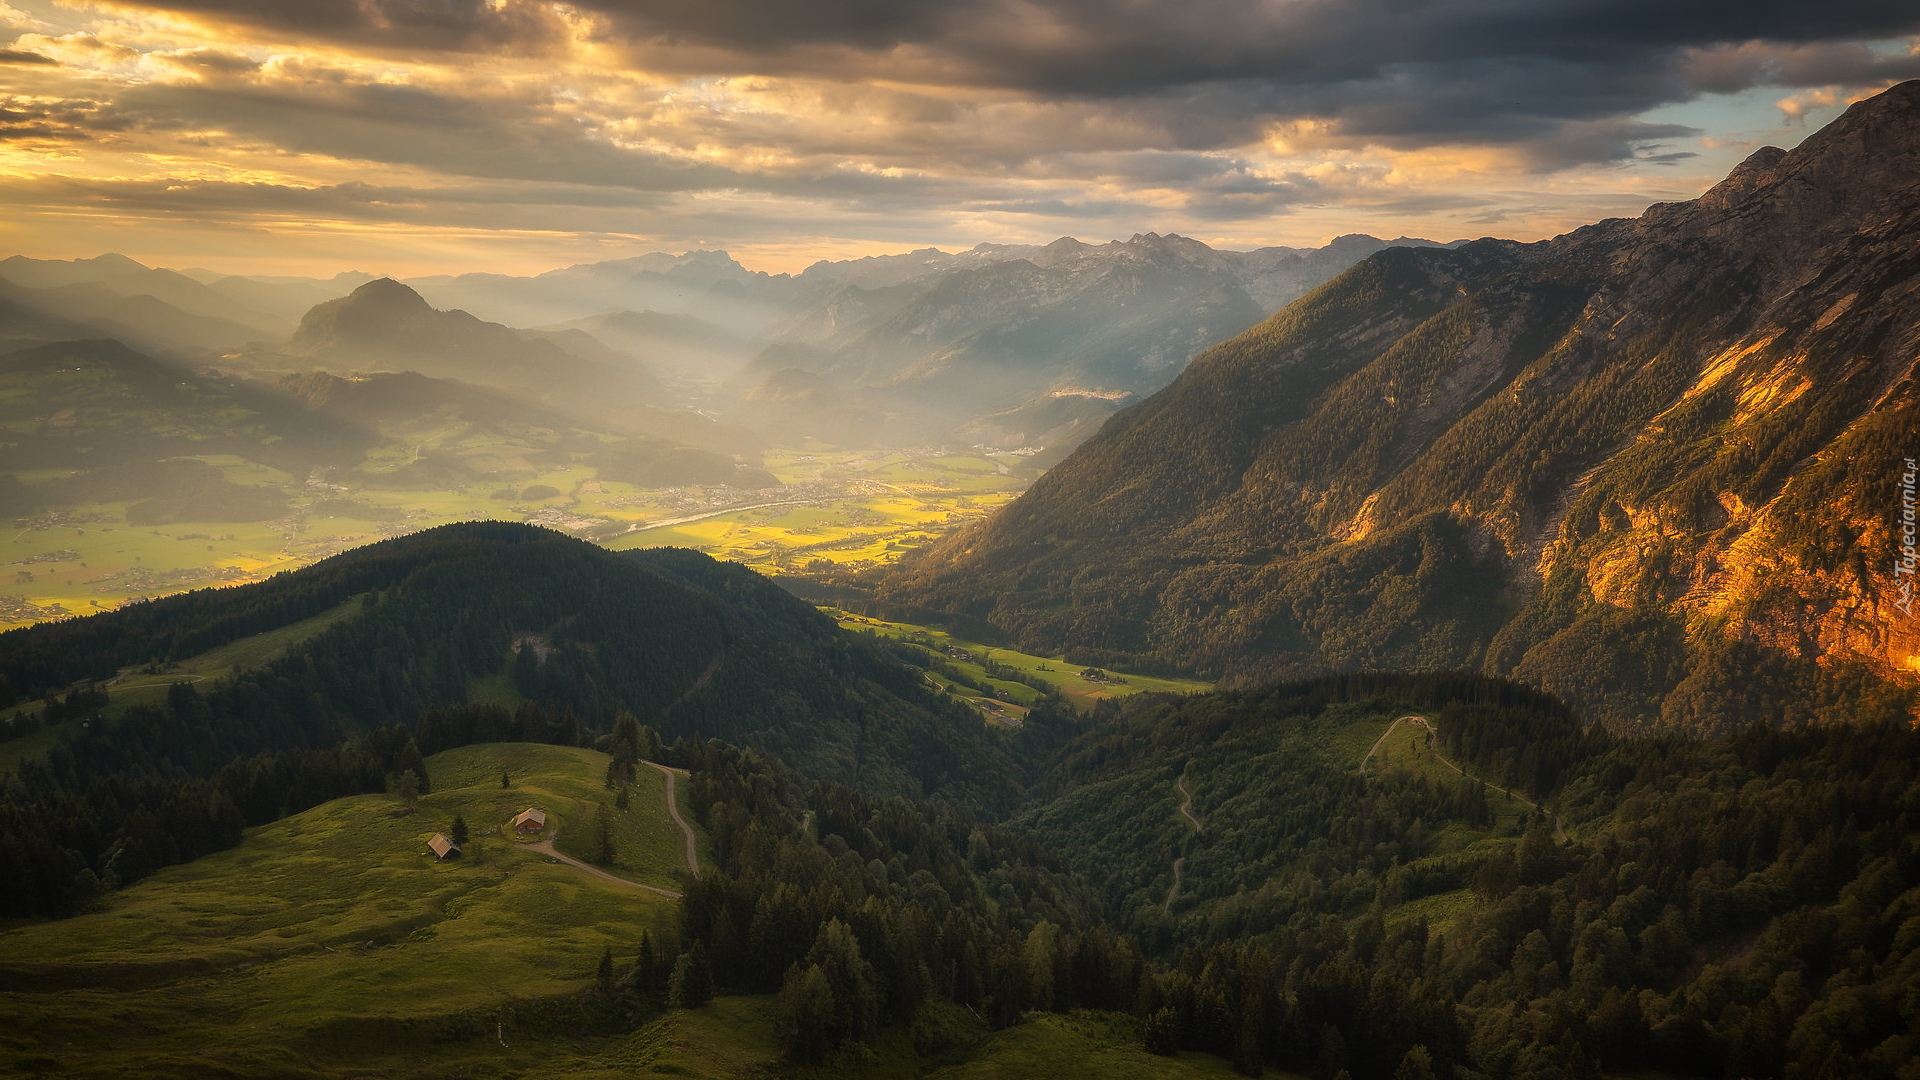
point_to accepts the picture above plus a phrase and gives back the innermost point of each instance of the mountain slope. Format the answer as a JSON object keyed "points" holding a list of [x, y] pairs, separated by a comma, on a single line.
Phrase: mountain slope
{"points": [[1648, 464], [124, 277], [114, 424], [89, 310], [689, 645]]}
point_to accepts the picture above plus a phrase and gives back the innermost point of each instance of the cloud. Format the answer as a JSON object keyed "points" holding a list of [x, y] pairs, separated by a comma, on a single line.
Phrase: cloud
{"points": [[923, 119], [515, 27], [1557, 75], [39, 120]]}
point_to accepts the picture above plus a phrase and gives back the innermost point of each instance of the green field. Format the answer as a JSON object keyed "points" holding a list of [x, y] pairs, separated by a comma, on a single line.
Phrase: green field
{"points": [[332, 937], [1066, 677], [1407, 748]]}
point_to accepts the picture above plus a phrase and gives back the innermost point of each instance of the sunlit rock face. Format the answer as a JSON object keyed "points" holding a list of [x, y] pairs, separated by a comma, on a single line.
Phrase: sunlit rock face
{"points": [[1654, 464]]}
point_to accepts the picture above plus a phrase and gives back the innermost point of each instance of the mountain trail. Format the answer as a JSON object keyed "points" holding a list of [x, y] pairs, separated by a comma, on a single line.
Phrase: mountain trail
{"points": [[1559, 830], [1180, 864], [545, 847]]}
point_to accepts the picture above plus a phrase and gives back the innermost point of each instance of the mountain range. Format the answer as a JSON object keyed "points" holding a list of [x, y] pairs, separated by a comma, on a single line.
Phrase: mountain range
{"points": [[1651, 465], [901, 347]]}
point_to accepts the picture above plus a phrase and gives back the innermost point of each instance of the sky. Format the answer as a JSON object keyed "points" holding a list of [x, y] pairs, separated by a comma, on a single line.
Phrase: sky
{"points": [[439, 136]]}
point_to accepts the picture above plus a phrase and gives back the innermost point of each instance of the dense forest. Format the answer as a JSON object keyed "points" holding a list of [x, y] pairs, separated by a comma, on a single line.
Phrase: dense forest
{"points": [[1742, 906]]}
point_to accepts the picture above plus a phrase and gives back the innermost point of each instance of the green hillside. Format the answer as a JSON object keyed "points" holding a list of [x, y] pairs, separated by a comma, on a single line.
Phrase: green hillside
{"points": [[332, 940]]}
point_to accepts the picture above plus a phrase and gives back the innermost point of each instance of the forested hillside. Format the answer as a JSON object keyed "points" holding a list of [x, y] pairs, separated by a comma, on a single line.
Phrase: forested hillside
{"points": [[465, 612], [1648, 465], [1738, 906]]}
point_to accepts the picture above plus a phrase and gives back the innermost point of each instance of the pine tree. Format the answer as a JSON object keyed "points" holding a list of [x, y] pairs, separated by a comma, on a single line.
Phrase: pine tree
{"points": [[505, 780], [646, 967], [459, 829], [1163, 1033], [692, 984], [603, 852], [409, 759], [805, 1011], [604, 976], [1417, 1065]]}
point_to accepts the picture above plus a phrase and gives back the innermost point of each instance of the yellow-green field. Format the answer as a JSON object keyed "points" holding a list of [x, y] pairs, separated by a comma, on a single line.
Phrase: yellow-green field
{"points": [[842, 510], [1078, 688], [835, 508]]}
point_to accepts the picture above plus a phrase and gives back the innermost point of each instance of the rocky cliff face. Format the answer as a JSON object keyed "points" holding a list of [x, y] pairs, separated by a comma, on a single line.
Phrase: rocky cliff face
{"points": [[1653, 464]]}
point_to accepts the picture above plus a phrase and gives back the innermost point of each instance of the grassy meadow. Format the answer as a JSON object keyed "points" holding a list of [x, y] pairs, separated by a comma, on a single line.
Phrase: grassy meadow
{"points": [[1406, 748], [1056, 671], [333, 935]]}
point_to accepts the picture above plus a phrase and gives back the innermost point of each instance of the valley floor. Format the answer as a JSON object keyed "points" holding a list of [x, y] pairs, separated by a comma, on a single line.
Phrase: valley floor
{"points": [[836, 509]]}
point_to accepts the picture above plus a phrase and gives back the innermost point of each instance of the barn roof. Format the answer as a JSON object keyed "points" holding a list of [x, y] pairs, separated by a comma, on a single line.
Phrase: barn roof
{"points": [[443, 847]]}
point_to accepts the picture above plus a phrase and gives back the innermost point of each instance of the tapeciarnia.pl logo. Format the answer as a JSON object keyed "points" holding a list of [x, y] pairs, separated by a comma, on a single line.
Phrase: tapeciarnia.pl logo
{"points": [[1906, 564]]}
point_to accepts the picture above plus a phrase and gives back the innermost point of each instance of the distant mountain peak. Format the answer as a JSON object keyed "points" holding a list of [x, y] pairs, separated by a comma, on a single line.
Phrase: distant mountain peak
{"points": [[369, 314], [385, 290]]}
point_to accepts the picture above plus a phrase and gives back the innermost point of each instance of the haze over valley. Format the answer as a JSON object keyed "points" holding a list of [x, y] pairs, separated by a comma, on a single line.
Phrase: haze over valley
{"points": [[843, 414]]}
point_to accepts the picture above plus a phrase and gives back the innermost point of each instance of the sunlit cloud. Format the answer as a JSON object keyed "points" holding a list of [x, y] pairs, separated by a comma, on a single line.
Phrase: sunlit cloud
{"points": [[862, 125]]}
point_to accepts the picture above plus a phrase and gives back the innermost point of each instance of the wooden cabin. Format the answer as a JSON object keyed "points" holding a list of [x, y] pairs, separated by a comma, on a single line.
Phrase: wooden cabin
{"points": [[530, 820], [443, 848]]}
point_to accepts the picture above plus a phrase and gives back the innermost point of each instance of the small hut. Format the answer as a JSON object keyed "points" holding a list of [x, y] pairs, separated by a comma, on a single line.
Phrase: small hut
{"points": [[530, 820], [443, 848]]}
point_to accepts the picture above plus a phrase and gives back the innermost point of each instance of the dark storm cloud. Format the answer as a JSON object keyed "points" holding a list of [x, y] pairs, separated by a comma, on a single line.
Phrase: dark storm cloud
{"points": [[1125, 46], [17, 56], [1559, 78], [308, 107]]}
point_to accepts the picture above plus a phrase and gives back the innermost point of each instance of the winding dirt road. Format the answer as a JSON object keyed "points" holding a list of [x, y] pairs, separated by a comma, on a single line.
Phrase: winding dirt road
{"points": [[545, 845], [673, 807]]}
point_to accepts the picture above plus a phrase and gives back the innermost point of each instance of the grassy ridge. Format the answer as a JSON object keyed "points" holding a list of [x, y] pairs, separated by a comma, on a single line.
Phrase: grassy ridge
{"points": [[149, 687]]}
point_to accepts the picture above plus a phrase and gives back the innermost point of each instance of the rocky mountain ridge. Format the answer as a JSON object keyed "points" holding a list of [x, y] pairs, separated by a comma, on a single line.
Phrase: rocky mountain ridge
{"points": [[1648, 464]]}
